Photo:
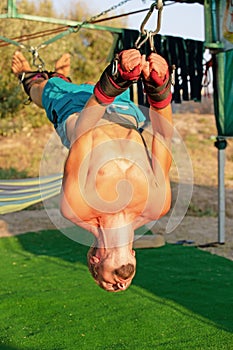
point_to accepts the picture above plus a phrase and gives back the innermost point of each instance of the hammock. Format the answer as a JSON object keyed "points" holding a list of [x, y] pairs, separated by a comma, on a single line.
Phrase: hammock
{"points": [[16, 195]]}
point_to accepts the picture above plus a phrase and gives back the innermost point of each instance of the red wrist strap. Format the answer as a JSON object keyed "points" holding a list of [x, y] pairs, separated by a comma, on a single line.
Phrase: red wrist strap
{"points": [[160, 104], [101, 96]]}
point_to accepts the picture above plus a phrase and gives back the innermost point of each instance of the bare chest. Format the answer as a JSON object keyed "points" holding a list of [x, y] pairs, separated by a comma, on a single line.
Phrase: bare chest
{"points": [[120, 176]]}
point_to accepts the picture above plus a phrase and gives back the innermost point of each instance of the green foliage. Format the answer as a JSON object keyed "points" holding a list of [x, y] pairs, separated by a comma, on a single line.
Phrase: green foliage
{"points": [[12, 173], [194, 210], [89, 51], [10, 101]]}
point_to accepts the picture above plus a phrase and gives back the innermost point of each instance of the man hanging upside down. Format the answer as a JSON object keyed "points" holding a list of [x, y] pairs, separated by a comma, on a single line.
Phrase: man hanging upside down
{"points": [[112, 184]]}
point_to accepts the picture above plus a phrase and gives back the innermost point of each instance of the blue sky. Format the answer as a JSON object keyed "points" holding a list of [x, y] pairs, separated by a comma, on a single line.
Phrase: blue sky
{"points": [[185, 20]]}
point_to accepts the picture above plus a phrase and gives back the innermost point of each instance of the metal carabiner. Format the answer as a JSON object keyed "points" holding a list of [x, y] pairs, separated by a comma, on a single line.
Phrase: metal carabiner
{"points": [[149, 34], [159, 6], [36, 57], [139, 44], [115, 65]]}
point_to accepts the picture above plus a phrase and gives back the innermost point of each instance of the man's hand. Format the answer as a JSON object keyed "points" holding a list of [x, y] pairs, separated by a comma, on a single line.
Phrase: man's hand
{"points": [[155, 68], [128, 71], [156, 79], [130, 64]]}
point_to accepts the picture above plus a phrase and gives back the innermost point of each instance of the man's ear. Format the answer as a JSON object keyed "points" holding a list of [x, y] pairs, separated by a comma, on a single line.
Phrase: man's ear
{"points": [[133, 252], [94, 260]]}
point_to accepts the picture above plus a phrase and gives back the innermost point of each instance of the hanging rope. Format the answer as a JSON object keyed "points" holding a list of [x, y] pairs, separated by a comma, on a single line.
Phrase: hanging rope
{"points": [[68, 30], [27, 37], [19, 39], [75, 29], [40, 34], [62, 30]]}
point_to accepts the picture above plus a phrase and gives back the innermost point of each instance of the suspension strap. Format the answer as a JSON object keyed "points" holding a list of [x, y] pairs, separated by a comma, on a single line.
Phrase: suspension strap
{"points": [[13, 42], [149, 35]]}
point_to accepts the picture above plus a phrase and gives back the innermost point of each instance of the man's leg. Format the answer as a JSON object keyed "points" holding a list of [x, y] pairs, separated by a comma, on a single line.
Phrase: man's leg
{"points": [[62, 65], [21, 66], [37, 82]]}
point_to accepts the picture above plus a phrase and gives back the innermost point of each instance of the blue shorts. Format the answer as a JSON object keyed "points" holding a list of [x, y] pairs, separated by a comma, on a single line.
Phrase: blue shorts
{"points": [[60, 99]]}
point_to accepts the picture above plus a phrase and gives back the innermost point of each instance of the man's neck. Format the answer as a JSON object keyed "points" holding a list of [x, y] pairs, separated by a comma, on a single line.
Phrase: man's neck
{"points": [[115, 231]]}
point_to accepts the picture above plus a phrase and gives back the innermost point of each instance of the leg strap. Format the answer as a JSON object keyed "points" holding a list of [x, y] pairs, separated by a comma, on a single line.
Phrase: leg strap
{"points": [[28, 79], [59, 75]]}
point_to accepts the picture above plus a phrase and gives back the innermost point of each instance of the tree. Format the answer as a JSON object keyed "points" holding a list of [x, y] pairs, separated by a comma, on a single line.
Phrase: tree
{"points": [[89, 50]]}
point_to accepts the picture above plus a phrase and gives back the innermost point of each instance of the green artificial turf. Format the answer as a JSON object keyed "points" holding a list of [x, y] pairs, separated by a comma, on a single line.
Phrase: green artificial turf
{"points": [[181, 298]]}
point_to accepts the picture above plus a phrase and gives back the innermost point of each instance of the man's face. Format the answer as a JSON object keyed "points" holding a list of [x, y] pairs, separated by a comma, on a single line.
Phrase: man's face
{"points": [[110, 281]]}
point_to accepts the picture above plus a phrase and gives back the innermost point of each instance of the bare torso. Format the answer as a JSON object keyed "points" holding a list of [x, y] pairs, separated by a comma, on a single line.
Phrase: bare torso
{"points": [[108, 172]]}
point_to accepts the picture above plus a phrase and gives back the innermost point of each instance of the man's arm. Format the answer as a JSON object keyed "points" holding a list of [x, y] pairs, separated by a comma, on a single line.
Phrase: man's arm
{"points": [[157, 85], [161, 121], [88, 118], [107, 88], [74, 205]]}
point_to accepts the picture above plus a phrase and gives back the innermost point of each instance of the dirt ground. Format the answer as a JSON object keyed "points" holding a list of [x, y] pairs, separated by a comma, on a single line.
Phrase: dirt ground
{"points": [[200, 224]]}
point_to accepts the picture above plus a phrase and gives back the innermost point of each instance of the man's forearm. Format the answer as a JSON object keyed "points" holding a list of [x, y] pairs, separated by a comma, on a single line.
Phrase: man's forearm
{"points": [[161, 120], [89, 117]]}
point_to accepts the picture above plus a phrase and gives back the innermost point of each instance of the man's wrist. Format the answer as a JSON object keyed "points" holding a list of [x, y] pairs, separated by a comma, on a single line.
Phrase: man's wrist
{"points": [[158, 96], [100, 95], [160, 104]]}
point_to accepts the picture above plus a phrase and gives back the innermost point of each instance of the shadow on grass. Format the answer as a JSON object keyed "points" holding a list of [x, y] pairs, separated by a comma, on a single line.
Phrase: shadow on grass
{"points": [[8, 347], [197, 280], [54, 244]]}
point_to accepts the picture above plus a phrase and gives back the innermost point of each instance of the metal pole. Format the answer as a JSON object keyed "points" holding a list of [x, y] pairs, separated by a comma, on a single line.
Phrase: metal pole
{"points": [[12, 9], [221, 144]]}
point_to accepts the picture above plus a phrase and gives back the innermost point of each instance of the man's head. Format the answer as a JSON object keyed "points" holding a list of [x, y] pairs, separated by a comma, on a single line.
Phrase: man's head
{"points": [[112, 272]]}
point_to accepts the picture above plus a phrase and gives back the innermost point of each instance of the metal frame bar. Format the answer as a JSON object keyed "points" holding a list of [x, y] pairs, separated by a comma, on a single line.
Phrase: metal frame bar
{"points": [[221, 145], [221, 196], [13, 13], [213, 42]]}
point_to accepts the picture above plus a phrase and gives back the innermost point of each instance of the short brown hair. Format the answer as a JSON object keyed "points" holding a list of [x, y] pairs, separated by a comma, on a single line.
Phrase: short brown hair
{"points": [[125, 271]]}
